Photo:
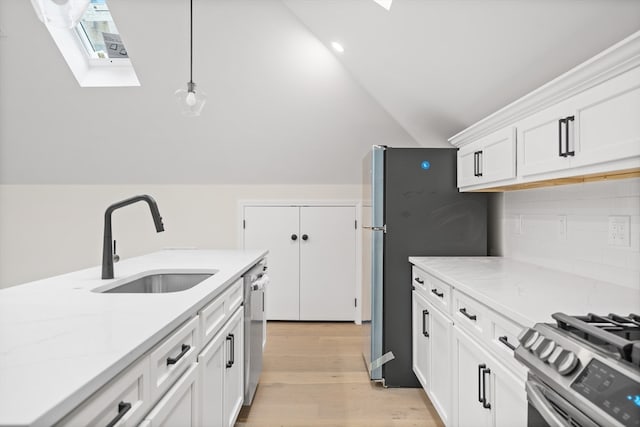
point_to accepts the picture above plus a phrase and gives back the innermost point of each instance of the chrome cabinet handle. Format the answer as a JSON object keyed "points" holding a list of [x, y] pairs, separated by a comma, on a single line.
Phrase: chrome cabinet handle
{"points": [[538, 401], [425, 313]]}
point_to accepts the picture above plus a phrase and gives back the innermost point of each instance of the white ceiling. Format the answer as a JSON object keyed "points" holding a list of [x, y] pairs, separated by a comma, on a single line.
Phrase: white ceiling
{"points": [[283, 108]]}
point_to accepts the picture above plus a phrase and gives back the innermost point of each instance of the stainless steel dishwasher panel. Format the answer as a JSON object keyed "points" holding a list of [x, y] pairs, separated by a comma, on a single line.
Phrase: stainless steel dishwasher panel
{"points": [[254, 282]]}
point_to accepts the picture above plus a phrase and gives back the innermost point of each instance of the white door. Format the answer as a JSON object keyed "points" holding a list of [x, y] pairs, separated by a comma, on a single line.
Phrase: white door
{"points": [[276, 228], [421, 339], [212, 362], [179, 406], [234, 368], [468, 381], [327, 262], [440, 388]]}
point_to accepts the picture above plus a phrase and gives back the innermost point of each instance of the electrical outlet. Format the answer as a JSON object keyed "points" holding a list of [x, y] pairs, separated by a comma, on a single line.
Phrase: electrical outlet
{"points": [[619, 230], [562, 227]]}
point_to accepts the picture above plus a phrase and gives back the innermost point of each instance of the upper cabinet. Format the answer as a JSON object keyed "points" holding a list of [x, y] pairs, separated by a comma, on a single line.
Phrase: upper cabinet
{"points": [[581, 126]]}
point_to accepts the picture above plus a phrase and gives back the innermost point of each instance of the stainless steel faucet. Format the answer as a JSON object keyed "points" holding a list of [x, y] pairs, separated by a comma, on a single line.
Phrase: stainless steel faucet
{"points": [[108, 244]]}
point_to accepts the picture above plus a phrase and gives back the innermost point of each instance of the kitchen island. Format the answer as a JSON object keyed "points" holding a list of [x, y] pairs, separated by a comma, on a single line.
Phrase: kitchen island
{"points": [[61, 342]]}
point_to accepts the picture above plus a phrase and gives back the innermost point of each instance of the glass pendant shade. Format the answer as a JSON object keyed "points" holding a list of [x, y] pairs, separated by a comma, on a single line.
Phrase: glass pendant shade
{"points": [[60, 13], [190, 102]]}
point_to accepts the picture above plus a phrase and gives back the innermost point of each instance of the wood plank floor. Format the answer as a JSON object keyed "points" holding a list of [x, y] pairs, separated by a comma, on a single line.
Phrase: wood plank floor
{"points": [[314, 375]]}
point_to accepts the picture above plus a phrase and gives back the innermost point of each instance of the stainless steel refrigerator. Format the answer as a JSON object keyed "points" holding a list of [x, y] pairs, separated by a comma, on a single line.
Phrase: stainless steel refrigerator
{"points": [[411, 207]]}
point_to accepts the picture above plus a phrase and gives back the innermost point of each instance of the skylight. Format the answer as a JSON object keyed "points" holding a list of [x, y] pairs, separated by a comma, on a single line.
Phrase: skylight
{"points": [[93, 48]]}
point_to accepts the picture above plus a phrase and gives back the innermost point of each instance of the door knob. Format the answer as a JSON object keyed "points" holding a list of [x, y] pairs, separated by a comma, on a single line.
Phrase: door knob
{"points": [[305, 237], [294, 237]]}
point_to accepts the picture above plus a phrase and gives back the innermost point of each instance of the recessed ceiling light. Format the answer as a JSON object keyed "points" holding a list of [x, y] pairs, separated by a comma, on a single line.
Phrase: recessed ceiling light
{"points": [[337, 47], [384, 3]]}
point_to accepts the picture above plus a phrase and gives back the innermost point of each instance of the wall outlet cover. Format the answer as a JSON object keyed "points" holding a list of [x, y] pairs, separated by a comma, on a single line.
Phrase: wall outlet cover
{"points": [[618, 233]]}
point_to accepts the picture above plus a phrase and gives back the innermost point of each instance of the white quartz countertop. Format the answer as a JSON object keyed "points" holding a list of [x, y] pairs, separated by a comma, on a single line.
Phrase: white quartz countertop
{"points": [[528, 293], [60, 342]]}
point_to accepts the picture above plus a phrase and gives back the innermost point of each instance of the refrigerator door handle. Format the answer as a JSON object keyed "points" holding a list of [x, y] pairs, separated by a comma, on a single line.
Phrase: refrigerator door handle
{"points": [[383, 228]]}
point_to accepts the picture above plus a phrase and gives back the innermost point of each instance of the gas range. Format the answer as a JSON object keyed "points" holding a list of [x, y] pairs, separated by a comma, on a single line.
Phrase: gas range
{"points": [[583, 370]]}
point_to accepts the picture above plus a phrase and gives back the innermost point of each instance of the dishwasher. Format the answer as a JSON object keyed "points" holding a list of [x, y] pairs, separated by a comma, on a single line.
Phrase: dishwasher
{"points": [[255, 281]]}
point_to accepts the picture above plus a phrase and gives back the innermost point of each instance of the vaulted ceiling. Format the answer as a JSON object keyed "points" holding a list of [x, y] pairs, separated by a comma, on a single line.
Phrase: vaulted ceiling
{"points": [[283, 107]]}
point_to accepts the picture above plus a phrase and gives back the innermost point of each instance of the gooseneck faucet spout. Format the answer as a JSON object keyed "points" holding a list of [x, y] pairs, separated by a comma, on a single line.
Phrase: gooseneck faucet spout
{"points": [[107, 243]]}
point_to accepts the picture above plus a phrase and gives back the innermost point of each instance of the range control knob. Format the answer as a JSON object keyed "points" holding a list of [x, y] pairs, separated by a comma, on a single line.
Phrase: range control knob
{"points": [[528, 337], [564, 361], [540, 344], [545, 349]]}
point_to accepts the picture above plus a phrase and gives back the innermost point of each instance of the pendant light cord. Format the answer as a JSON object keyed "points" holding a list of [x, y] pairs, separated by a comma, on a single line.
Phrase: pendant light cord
{"points": [[191, 42]]}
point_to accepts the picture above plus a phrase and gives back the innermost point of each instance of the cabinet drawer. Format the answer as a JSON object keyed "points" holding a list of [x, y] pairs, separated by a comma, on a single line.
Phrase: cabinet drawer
{"points": [[234, 296], [470, 314], [214, 315], [439, 293], [504, 339], [124, 400], [419, 279], [172, 357]]}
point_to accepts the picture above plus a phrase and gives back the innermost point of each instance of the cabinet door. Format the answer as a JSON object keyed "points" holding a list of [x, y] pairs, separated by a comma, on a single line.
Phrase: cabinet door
{"points": [[178, 407], [468, 358], [327, 263], [488, 160], [272, 228], [234, 369], [539, 140], [440, 328], [509, 398], [212, 364], [421, 339], [608, 121]]}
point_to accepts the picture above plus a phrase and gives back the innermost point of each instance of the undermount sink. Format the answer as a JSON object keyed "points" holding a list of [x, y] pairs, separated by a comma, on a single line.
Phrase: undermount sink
{"points": [[159, 283]]}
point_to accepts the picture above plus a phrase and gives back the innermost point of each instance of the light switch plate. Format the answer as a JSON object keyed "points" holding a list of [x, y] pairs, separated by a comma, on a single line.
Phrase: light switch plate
{"points": [[619, 230]]}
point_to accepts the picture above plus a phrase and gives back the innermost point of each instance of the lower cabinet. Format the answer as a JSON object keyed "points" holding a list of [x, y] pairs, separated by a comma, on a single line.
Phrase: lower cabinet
{"points": [[485, 393], [431, 353], [221, 375], [179, 407]]}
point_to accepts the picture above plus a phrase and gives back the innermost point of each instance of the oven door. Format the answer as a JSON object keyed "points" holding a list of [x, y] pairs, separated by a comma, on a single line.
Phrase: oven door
{"points": [[548, 408]]}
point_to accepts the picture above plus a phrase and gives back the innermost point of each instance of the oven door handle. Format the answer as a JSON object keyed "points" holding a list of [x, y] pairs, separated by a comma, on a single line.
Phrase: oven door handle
{"points": [[539, 401]]}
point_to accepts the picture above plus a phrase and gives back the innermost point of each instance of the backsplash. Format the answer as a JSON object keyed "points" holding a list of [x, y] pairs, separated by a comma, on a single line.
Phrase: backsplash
{"points": [[533, 229]]}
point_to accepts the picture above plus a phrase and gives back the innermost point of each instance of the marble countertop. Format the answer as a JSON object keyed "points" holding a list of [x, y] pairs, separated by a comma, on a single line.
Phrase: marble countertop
{"points": [[527, 293], [60, 342]]}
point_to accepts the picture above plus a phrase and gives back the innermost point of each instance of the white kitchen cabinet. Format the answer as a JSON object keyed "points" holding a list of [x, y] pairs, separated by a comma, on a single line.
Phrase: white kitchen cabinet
{"points": [[489, 160], [221, 375], [485, 392], [312, 259], [421, 346], [179, 406], [580, 126]]}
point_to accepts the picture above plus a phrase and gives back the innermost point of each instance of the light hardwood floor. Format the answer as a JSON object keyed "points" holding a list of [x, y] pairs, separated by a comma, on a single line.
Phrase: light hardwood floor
{"points": [[314, 375]]}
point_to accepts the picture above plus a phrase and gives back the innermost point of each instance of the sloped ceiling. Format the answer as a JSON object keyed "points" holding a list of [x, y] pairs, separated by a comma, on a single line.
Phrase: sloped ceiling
{"points": [[283, 108]]}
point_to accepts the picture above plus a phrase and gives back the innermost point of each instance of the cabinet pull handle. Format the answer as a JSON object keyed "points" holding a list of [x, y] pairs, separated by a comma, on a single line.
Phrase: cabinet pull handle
{"points": [[480, 388], [436, 293], [419, 280], [475, 163], [560, 122], [123, 408], [567, 120], [231, 360], [294, 237], [305, 237], [480, 163], [504, 340], [174, 360], [485, 404], [425, 313], [473, 317]]}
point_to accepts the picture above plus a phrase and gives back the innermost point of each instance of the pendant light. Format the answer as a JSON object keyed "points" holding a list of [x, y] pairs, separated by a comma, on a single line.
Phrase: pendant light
{"points": [[60, 13], [190, 101]]}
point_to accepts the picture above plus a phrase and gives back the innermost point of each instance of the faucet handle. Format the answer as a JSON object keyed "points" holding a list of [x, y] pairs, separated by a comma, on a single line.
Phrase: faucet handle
{"points": [[116, 257]]}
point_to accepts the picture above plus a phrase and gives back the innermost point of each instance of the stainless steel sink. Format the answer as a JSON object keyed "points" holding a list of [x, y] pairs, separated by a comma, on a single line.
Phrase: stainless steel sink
{"points": [[158, 283]]}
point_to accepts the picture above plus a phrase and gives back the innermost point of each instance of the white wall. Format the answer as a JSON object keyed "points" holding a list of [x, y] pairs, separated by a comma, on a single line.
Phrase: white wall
{"points": [[53, 229], [585, 251]]}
